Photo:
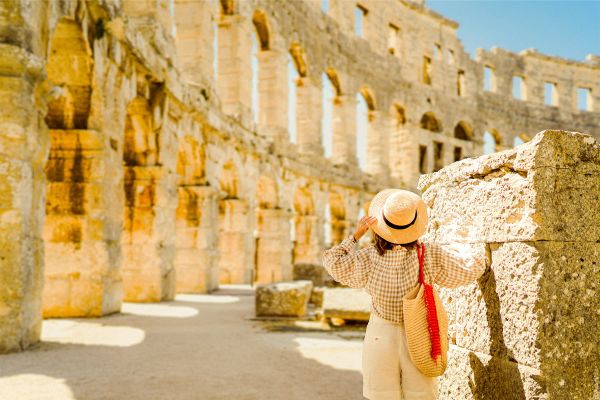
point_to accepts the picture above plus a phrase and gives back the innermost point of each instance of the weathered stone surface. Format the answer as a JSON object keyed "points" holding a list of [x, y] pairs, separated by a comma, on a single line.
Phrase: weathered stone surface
{"points": [[313, 272], [316, 296], [472, 376], [346, 303], [283, 299], [537, 306], [546, 189]]}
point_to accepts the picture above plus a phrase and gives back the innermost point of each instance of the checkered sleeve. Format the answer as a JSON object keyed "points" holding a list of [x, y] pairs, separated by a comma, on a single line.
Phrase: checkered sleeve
{"points": [[346, 265], [456, 265]]}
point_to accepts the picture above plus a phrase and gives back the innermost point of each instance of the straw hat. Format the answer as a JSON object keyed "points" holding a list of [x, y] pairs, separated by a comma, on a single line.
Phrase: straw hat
{"points": [[401, 215]]}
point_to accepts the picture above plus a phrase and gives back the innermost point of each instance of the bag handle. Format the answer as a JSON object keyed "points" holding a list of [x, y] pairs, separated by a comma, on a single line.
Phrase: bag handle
{"points": [[421, 256]]}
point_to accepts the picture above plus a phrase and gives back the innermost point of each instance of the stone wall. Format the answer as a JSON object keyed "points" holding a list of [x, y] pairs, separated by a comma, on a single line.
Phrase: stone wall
{"points": [[137, 162], [528, 327]]}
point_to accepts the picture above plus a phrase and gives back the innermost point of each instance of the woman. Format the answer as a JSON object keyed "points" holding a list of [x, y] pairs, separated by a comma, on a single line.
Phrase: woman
{"points": [[388, 269]]}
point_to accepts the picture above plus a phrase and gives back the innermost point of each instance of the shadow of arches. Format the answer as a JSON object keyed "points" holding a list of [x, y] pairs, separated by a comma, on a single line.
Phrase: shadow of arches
{"points": [[500, 378]]}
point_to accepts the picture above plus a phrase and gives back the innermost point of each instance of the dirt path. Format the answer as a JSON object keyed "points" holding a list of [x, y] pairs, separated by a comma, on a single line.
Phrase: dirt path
{"points": [[198, 347]]}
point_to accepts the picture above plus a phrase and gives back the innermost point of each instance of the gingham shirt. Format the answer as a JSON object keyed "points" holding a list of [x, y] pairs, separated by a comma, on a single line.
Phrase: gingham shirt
{"points": [[389, 277]]}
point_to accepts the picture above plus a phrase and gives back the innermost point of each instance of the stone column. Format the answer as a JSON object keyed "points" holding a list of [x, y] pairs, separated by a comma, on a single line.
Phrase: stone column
{"points": [[308, 117], [196, 257], [528, 328], [194, 39], [24, 143], [273, 246], [273, 93], [403, 157], [344, 131], [235, 242], [81, 274], [307, 248], [148, 247], [376, 159], [339, 230], [234, 77]]}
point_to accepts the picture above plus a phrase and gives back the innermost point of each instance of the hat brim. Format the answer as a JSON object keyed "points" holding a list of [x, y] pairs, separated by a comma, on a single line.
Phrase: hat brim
{"points": [[398, 236]]}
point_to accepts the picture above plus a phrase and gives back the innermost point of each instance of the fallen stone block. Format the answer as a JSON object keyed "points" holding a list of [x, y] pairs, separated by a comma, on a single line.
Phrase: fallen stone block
{"points": [[312, 272], [316, 296], [347, 304], [283, 299]]}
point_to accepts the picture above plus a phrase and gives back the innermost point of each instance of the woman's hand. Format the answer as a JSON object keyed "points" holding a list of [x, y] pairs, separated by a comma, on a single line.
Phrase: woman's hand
{"points": [[363, 226]]}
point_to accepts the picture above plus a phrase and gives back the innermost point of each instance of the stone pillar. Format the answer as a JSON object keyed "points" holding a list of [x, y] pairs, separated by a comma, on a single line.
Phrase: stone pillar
{"points": [[376, 160], [307, 248], [403, 157], [344, 131], [148, 246], [196, 257], [194, 39], [528, 328], [24, 143], [236, 261], [339, 230], [308, 117], [82, 272], [234, 77], [273, 246], [273, 92]]}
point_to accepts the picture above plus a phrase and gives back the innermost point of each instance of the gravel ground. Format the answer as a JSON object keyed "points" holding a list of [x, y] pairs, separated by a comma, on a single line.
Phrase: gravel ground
{"points": [[201, 347]]}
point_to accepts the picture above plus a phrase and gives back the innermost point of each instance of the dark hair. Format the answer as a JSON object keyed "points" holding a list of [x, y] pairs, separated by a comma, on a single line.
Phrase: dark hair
{"points": [[381, 245]]}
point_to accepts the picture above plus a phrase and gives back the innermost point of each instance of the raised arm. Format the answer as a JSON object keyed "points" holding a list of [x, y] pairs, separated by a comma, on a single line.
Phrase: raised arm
{"points": [[457, 264], [346, 265]]}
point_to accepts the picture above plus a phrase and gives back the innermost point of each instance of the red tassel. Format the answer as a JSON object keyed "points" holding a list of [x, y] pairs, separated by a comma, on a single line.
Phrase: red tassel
{"points": [[432, 321]]}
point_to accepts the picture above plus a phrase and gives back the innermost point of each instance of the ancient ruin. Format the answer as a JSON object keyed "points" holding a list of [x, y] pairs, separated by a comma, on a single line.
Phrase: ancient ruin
{"points": [[154, 147]]}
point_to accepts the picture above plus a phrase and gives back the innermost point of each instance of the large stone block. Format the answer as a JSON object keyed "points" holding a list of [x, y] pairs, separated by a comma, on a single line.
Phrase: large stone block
{"points": [[284, 299], [546, 189], [347, 304]]}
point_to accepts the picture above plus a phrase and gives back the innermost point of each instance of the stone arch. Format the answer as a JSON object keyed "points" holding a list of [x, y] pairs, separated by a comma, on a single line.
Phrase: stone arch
{"points": [[299, 58], [492, 141], [259, 19], [267, 194], [338, 223], [191, 160], [69, 72], [229, 180], [140, 146], [398, 114], [227, 7], [369, 97], [335, 80], [463, 131], [306, 248], [430, 122]]}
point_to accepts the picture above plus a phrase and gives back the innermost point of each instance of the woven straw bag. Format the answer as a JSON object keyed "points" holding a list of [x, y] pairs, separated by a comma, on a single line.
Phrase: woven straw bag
{"points": [[426, 325]]}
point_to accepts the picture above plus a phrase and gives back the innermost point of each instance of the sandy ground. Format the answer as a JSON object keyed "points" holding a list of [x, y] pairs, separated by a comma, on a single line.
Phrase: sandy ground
{"points": [[203, 347]]}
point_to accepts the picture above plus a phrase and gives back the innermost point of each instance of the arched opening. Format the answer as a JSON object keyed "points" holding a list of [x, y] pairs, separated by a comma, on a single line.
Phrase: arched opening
{"points": [[273, 257], [196, 216], [227, 7], [293, 77], [365, 107], [260, 62], [400, 146], [492, 141], [69, 72], [430, 122], [79, 263], [306, 245], [147, 276], [337, 219], [235, 230], [329, 93], [463, 131]]}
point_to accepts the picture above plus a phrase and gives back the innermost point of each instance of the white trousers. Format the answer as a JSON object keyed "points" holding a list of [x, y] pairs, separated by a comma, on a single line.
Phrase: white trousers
{"points": [[388, 371]]}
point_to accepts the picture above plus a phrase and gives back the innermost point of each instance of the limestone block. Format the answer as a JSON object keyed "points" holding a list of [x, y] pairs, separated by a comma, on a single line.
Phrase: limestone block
{"points": [[518, 194], [284, 299], [347, 304], [471, 376], [313, 272], [316, 296]]}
